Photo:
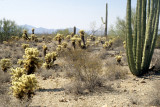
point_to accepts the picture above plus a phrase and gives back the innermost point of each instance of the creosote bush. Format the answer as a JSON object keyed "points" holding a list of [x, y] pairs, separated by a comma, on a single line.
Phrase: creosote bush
{"points": [[87, 71]]}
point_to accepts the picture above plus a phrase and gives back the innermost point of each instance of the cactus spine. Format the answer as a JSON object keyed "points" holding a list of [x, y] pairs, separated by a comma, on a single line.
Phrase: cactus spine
{"points": [[106, 22], [140, 46]]}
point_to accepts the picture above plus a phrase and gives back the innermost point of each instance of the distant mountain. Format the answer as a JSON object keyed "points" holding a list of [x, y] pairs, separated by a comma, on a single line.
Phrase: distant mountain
{"points": [[39, 30], [42, 30]]}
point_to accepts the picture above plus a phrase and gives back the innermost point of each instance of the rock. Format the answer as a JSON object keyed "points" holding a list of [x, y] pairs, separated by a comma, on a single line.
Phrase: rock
{"points": [[63, 100], [143, 81], [86, 91], [105, 105], [44, 78]]}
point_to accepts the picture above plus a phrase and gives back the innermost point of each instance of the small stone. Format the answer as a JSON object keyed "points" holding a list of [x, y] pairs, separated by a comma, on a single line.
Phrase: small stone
{"points": [[86, 91], [143, 81], [44, 78], [63, 100]]}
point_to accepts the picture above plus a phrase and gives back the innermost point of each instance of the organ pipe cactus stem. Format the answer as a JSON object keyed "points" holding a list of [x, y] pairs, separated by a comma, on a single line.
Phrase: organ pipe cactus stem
{"points": [[74, 30], [140, 47], [106, 21]]}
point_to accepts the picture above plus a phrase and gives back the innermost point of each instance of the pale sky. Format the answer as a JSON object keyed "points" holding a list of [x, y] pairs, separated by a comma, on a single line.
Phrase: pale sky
{"points": [[57, 14]]}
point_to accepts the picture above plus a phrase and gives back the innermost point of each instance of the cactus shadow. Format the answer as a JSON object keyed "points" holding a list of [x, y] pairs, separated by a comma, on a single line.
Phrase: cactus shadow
{"points": [[51, 90]]}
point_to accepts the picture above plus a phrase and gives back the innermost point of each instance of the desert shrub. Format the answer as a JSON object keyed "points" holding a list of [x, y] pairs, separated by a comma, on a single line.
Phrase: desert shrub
{"points": [[4, 77], [5, 64], [155, 95], [86, 71], [114, 72]]}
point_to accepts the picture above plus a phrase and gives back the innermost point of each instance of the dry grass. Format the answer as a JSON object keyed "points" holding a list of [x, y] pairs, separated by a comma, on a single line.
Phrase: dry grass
{"points": [[155, 95], [114, 72], [85, 71]]}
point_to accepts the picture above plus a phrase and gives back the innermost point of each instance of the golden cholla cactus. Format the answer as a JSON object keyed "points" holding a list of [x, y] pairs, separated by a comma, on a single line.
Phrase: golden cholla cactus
{"points": [[118, 58], [31, 60], [25, 86], [81, 32], [88, 43], [68, 37], [33, 37], [76, 36], [5, 64], [49, 59], [96, 43], [105, 45], [93, 38], [24, 46], [17, 73], [20, 62], [64, 45], [5, 42], [59, 38], [110, 43], [44, 50], [59, 48]]}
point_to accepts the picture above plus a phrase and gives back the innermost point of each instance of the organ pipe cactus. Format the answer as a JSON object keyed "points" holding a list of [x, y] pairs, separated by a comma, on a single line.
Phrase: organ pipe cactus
{"points": [[105, 23], [140, 45]]}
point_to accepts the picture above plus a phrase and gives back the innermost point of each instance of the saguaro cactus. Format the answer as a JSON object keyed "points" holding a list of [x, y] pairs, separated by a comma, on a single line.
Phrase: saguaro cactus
{"points": [[106, 22], [140, 44]]}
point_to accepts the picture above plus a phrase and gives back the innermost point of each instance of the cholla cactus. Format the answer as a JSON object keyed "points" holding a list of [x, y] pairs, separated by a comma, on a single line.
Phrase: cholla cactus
{"points": [[93, 38], [68, 37], [25, 36], [5, 42], [59, 48], [76, 36], [88, 43], [78, 41], [25, 46], [96, 43], [44, 50], [105, 45], [31, 60], [110, 43], [20, 62], [24, 86], [82, 37], [73, 39], [17, 73], [118, 58], [5, 64], [64, 45], [59, 38], [50, 58]]}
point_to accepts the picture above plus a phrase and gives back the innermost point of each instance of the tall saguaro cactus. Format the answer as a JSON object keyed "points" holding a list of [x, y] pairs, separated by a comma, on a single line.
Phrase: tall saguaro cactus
{"points": [[140, 44], [106, 22]]}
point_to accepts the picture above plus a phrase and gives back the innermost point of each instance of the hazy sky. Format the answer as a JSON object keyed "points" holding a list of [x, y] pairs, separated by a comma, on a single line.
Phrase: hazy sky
{"points": [[62, 13]]}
